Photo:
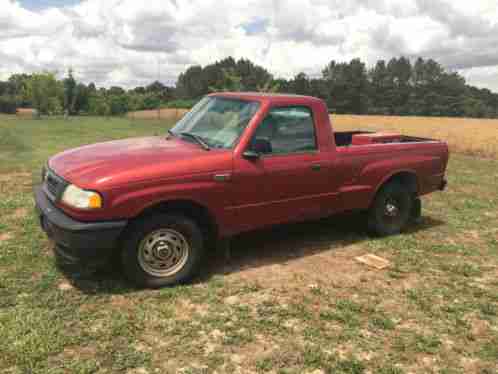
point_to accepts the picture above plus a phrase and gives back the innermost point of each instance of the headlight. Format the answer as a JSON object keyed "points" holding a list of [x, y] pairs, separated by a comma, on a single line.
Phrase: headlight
{"points": [[81, 199]]}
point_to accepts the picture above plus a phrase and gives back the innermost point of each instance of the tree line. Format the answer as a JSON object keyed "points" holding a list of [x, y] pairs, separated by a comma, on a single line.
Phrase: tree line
{"points": [[394, 87], [48, 95]]}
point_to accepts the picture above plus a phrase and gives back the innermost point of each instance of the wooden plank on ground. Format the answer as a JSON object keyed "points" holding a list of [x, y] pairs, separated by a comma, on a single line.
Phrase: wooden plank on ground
{"points": [[373, 261]]}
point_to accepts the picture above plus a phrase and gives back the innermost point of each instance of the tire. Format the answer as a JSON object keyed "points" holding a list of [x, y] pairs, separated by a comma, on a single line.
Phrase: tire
{"points": [[391, 210], [416, 216], [154, 250]]}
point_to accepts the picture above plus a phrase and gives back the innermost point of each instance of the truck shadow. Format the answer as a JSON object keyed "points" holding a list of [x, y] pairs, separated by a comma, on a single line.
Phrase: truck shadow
{"points": [[283, 244], [276, 245]]}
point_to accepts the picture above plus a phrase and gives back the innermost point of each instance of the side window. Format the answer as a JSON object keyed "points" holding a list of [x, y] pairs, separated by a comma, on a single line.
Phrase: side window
{"points": [[286, 130]]}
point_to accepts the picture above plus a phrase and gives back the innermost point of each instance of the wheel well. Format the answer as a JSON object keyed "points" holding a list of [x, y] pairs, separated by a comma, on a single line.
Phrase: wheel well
{"points": [[407, 179], [200, 214]]}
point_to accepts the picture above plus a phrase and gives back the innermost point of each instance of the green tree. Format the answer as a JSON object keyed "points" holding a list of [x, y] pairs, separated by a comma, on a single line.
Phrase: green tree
{"points": [[399, 87], [70, 93], [190, 83], [118, 104], [135, 102], [98, 104], [8, 104], [269, 86], [44, 92], [230, 81], [18, 89], [347, 86], [380, 84], [82, 94]]}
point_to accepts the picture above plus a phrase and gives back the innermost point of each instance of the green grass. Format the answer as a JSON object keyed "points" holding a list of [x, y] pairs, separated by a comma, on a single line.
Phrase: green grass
{"points": [[292, 300]]}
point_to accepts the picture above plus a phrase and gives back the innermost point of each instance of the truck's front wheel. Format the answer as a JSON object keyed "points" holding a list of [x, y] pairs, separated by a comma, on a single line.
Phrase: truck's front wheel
{"points": [[162, 250]]}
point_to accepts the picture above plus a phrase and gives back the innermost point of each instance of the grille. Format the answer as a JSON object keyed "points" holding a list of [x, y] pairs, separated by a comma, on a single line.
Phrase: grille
{"points": [[54, 185]]}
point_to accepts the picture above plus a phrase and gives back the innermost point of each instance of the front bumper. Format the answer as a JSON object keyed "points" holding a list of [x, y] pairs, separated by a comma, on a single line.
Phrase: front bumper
{"points": [[86, 242]]}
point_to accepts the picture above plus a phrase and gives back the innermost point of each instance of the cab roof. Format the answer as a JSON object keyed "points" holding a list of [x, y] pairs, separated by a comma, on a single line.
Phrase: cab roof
{"points": [[268, 97]]}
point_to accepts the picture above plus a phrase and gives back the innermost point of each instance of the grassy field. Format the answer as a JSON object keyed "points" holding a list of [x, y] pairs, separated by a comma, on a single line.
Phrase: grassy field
{"points": [[291, 300]]}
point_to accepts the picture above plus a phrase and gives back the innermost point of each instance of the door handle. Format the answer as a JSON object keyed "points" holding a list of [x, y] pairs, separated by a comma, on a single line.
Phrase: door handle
{"points": [[222, 177], [316, 167]]}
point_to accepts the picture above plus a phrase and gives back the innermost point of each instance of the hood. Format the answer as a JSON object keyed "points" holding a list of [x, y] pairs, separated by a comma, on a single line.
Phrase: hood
{"points": [[125, 161]]}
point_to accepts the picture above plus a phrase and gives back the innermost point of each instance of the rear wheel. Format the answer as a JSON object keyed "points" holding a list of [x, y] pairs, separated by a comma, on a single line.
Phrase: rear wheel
{"points": [[163, 250], [416, 216], [391, 209]]}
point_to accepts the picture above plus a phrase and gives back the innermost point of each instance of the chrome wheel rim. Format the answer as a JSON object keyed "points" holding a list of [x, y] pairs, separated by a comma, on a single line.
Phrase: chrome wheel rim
{"points": [[391, 208], [163, 252]]}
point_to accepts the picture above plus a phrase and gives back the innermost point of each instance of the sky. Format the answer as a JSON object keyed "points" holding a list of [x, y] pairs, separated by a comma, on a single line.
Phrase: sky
{"points": [[131, 43]]}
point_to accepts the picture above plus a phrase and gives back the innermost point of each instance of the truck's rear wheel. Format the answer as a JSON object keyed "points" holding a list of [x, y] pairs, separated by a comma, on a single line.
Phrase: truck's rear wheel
{"points": [[391, 209], [162, 250]]}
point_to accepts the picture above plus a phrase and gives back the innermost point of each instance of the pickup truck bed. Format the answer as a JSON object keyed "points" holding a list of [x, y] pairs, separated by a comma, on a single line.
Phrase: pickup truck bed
{"points": [[345, 138]]}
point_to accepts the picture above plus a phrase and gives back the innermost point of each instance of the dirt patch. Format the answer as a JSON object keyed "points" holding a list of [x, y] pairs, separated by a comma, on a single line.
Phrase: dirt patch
{"points": [[470, 237], [80, 352], [14, 177], [20, 213], [479, 328], [186, 310], [155, 340], [413, 325], [75, 352], [488, 279], [5, 236], [330, 267], [121, 302], [137, 371], [473, 365], [344, 350], [251, 299], [253, 351]]}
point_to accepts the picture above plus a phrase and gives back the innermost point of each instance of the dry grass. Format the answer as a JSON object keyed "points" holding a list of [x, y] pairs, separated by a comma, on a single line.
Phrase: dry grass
{"points": [[464, 135], [25, 112], [173, 114]]}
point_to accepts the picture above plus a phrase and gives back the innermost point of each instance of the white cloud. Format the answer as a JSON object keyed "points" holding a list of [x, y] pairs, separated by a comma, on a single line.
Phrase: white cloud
{"points": [[485, 77], [119, 42]]}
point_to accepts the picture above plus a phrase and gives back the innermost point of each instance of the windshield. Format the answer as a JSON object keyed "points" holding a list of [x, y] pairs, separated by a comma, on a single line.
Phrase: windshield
{"points": [[217, 121]]}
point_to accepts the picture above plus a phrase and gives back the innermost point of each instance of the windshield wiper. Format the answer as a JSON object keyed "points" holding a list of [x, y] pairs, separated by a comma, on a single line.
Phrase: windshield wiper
{"points": [[196, 138]]}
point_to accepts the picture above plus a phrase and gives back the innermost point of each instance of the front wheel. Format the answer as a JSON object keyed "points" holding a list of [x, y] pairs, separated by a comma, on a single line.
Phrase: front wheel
{"points": [[391, 210], [162, 250]]}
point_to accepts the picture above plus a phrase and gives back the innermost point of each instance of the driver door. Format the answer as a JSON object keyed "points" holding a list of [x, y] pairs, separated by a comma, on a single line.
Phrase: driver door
{"points": [[289, 181]]}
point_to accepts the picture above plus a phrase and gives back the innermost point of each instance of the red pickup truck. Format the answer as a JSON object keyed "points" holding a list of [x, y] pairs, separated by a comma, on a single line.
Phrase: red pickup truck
{"points": [[236, 162]]}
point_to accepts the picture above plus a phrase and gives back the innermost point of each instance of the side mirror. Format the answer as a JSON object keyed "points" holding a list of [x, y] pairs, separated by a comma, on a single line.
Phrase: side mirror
{"points": [[261, 145], [251, 155]]}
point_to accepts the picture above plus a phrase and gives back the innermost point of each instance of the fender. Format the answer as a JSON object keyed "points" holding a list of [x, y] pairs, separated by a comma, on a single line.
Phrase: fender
{"points": [[182, 201], [201, 190], [392, 174], [378, 173]]}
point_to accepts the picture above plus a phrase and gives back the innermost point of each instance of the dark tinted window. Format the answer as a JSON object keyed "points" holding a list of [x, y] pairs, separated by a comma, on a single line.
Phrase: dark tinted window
{"points": [[288, 130]]}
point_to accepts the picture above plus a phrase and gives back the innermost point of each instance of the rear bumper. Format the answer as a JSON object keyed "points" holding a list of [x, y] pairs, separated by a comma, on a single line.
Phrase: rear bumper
{"points": [[86, 242]]}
